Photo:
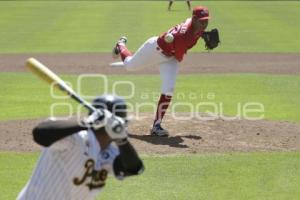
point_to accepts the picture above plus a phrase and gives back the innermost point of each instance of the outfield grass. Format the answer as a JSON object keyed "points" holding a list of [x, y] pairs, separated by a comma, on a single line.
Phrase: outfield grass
{"points": [[28, 97], [93, 26], [259, 176]]}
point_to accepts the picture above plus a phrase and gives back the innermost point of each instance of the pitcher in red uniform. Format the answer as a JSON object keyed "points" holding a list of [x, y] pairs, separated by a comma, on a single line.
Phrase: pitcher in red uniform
{"points": [[166, 51]]}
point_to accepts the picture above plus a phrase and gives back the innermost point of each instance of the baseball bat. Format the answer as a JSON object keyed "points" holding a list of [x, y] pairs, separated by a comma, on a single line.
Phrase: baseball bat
{"points": [[47, 75]]}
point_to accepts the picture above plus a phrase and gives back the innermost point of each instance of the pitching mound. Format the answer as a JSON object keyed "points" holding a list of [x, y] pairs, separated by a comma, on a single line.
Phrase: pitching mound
{"points": [[191, 136]]}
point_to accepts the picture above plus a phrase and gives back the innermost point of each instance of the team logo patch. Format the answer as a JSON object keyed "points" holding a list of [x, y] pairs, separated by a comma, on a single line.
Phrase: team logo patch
{"points": [[93, 178], [105, 155], [203, 13]]}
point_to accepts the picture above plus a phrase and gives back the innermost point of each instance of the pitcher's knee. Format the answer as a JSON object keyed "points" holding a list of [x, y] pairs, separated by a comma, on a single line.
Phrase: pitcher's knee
{"points": [[129, 64]]}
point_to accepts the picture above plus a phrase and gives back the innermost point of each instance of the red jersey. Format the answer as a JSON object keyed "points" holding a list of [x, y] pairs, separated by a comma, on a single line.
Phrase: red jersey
{"points": [[184, 39]]}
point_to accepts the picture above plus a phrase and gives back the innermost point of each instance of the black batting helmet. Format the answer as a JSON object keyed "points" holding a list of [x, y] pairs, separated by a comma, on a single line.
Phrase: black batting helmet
{"points": [[115, 104]]}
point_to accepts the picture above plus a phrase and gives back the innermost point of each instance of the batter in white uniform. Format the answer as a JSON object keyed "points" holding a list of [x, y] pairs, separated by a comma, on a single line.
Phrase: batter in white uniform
{"points": [[77, 159]]}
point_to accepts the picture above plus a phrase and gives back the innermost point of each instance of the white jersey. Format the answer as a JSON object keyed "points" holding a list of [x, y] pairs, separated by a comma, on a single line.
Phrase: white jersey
{"points": [[72, 168], [149, 55]]}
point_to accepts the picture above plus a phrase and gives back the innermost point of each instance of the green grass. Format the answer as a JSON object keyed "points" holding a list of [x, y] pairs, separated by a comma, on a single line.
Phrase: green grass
{"points": [[25, 96], [247, 176], [94, 26], [15, 169]]}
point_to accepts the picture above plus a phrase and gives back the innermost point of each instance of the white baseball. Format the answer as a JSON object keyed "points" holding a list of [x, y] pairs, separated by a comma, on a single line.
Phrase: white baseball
{"points": [[169, 38]]}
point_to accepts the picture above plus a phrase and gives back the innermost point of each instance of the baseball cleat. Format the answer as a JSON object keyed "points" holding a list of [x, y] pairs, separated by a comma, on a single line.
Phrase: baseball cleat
{"points": [[157, 130], [116, 49], [117, 64]]}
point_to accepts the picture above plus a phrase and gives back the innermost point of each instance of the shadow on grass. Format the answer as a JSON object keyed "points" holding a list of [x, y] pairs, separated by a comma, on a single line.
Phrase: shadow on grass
{"points": [[172, 141]]}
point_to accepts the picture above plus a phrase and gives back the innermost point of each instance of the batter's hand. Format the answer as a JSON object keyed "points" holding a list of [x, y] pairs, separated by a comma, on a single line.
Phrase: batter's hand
{"points": [[95, 120], [116, 128]]}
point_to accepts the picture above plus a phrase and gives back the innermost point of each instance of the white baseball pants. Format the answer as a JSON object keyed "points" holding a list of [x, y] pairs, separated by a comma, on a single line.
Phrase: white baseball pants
{"points": [[148, 55]]}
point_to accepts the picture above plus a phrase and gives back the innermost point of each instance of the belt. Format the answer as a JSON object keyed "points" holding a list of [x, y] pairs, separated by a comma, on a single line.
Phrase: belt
{"points": [[164, 53]]}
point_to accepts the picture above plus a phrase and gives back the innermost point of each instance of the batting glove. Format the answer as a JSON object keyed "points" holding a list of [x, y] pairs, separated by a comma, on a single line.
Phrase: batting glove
{"points": [[95, 121], [114, 126]]}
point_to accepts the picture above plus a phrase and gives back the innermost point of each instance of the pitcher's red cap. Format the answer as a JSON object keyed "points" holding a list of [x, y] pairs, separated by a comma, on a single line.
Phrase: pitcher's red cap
{"points": [[201, 12]]}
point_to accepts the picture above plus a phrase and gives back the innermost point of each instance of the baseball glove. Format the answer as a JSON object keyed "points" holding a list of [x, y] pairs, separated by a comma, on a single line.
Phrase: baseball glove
{"points": [[211, 39]]}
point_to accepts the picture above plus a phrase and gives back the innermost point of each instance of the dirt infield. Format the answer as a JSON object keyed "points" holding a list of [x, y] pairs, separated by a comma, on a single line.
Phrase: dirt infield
{"points": [[192, 136], [193, 63]]}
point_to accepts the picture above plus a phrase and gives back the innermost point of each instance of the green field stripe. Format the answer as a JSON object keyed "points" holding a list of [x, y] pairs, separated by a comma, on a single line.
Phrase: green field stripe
{"points": [[216, 176], [94, 26], [256, 26], [234, 176], [278, 94], [272, 23], [29, 24]]}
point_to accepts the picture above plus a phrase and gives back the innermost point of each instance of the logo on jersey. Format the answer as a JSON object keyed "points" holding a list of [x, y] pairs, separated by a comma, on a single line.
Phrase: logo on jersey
{"points": [[97, 178], [105, 155], [203, 13]]}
